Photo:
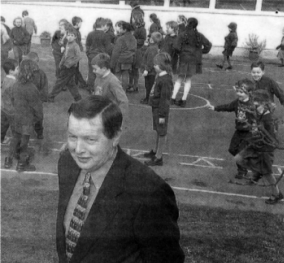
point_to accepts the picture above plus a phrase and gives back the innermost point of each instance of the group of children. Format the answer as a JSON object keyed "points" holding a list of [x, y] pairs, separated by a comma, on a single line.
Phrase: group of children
{"points": [[112, 57]]}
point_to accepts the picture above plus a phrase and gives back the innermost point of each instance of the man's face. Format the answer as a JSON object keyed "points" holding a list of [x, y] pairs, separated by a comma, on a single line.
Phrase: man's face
{"points": [[88, 145], [70, 37], [257, 73], [18, 22], [100, 72]]}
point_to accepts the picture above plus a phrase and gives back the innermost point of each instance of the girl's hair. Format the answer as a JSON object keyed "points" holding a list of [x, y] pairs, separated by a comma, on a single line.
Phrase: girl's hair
{"points": [[183, 19], [63, 20], [26, 70], [163, 60], [155, 19], [109, 24], [139, 19], [192, 25], [100, 22], [125, 26], [173, 25], [14, 21]]}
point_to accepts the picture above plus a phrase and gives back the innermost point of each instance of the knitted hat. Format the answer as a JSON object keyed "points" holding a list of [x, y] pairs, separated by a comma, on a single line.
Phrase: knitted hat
{"points": [[261, 96], [233, 26], [246, 85], [157, 37], [192, 22]]}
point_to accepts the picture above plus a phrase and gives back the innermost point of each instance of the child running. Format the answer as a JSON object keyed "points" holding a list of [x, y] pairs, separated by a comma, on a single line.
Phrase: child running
{"points": [[160, 106], [123, 54], [262, 82], [231, 41], [67, 66], [148, 64], [28, 111], [280, 54], [258, 156], [20, 38], [190, 46], [242, 106], [169, 43], [11, 69]]}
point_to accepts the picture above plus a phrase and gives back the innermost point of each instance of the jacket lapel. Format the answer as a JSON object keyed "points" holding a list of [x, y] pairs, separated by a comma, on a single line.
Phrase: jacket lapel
{"points": [[104, 208]]}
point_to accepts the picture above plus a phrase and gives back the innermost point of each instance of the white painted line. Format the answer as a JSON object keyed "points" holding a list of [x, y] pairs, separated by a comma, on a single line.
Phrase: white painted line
{"points": [[35, 172], [199, 165]]}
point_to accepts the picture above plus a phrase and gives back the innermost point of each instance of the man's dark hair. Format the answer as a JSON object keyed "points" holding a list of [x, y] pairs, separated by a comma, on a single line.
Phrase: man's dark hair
{"points": [[102, 60], [9, 64], [25, 13], [258, 64], [95, 105], [76, 20]]}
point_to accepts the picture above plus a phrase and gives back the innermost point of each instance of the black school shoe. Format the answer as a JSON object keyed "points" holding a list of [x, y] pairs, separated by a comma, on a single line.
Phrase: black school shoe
{"points": [[241, 174], [8, 162], [219, 66], [155, 162], [255, 178], [150, 154], [229, 68], [144, 101], [274, 199], [181, 103]]}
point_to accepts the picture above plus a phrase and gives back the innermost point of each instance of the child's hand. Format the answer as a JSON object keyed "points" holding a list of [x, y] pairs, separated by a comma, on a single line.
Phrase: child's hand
{"points": [[62, 49], [162, 120], [145, 73], [210, 107]]}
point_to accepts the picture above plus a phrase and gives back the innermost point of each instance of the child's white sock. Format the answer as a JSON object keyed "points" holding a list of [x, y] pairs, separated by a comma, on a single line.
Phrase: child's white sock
{"points": [[176, 89], [187, 87]]}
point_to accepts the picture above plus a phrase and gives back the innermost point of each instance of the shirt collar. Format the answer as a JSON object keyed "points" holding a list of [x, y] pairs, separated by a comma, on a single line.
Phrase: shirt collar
{"points": [[106, 74]]}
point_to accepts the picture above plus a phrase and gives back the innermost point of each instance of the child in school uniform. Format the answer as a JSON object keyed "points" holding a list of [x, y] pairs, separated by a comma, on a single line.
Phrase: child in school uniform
{"points": [[169, 43], [190, 46], [20, 38], [67, 66], [76, 23], [110, 30], [140, 35], [242, 106], [231, 42], [155, 25], [258, 156], [107, 84], [280, 54], [262, 82], [123, 54], [160, 106], [97, 42], [11, 69], [182, 22], [58, 43], [30, 26], [147, 67], [28, 111]]}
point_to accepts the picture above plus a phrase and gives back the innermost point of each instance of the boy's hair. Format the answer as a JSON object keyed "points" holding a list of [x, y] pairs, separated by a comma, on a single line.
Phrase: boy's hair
{"points": [[26, 70], [183, 19], [9, 64], [119, 23], [25, 13], [258, 64], [163, 60], [3, 19], [134, 3], [63, 20], [109, 22], [76, 20], [246, 85], [157, 37], [125, 26], [102, 60], [173, 25], [32, 56], [72, 30], [100, 22], [233, 26], [14, 21]]}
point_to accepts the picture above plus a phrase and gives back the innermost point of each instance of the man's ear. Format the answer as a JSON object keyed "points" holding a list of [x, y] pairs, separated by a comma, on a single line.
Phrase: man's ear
{"points": [[117, 138]]}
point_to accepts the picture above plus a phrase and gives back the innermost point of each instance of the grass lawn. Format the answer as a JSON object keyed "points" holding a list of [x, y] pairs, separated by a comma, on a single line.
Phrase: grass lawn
{"points": [[208, 234]]}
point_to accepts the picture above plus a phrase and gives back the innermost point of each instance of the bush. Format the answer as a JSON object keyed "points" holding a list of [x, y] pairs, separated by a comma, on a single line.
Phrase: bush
{"points": [[252, 43]]}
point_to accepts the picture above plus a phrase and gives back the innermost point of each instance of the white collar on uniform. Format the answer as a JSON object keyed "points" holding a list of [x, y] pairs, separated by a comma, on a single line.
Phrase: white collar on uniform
{"points": [[163, 73], [10, 77]]}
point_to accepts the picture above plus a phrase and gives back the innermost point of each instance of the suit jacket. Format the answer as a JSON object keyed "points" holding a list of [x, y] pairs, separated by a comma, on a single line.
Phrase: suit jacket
{"points": [[133, 219]]}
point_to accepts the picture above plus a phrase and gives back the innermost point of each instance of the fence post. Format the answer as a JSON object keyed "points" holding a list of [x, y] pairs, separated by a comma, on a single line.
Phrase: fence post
{"points": [[212, 4]]}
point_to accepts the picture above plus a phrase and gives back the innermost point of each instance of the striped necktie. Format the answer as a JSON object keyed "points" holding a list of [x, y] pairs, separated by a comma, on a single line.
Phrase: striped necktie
{"points": [[78, 218]]}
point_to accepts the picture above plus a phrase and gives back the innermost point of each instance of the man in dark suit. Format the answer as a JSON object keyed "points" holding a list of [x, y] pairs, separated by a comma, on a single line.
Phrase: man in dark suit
{"points": [[111, 208]]}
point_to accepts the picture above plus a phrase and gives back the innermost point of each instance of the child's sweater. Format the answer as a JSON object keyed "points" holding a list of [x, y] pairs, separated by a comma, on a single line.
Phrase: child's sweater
{"points": [[268, 84], [19, 36], [7, 95], [79, 39], [148, 59], [162, 94], [28, 106], [124, 50], [140, 35], [41, 82], [29, 25], [109, 86], [57, 42], [97, 42], [243, 112], [231, 41], [168, 45], [72, 55]]}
